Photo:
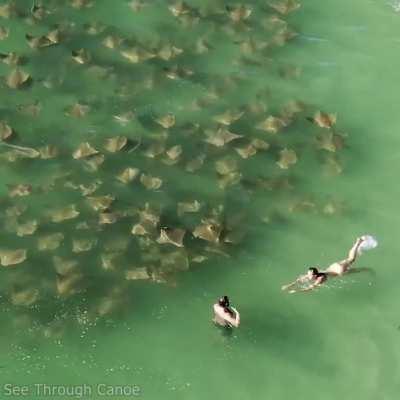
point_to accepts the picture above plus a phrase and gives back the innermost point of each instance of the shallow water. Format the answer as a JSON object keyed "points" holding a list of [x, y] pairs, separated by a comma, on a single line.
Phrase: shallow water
{"points": [[337, 342]]}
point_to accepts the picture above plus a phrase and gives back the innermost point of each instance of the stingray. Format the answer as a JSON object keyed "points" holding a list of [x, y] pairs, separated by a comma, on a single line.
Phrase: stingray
{"points": [[28, 228], [78, 110], [24, 297], [84, 150], [149, 213], [208, 230], [63, 266], [291, 108], [188, 207], [80, 56], [38, 11], [167, 52], [155, 149], [285, 6], [19, 190], [108, 261], [150, 182], [112, 41], [303, 205], [228, 117], [221, 137], [115, 144], [198, 259], [10, 58], [260, 144], [330, 141], [246, 151], [128, 175], [50, 39], [137, 5], [93, 163], [63, 214], [179, 9], [12, 257], [68, 285], [17, 78], [324, 120], [16, 211], [101, 203], [4, 32], [49, 151], [83, 245], [50, 242], [172, 236], [31, 110], [124, 118], [91, 188], [226, 165], [174, 152], [139, 230], [287, 158], [136, 55], [5, 130], [240, 13], [202, 46], [107, 218], [137, 274], [166, 121], [6, 10], [333, 208], [79, 4], [333, 166], [229, 179], [271, 124]]}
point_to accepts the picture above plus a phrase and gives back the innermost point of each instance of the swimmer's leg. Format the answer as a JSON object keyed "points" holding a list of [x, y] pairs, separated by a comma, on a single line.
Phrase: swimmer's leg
{"points": [[351, 257]]}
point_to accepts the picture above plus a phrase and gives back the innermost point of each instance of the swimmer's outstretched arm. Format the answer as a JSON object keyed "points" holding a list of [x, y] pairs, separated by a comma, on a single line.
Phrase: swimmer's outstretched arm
{"points": [[307, 289], [298, 280]]}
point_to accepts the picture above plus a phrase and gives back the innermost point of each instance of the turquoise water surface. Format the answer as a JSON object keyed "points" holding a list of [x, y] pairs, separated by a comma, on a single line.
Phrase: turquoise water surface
{"points": [[89, 325]]}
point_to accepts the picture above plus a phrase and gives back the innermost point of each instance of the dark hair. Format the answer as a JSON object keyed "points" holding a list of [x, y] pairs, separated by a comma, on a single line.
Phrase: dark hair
{"points": [[314, 270], [224, 302]]}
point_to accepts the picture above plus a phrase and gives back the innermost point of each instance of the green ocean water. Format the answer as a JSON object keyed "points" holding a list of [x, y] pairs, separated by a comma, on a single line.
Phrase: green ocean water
{"points": [[338, 342]]}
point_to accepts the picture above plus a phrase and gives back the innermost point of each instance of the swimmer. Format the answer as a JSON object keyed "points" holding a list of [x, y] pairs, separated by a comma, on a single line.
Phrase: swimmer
{"points": [[316, 278], [225, 315]]}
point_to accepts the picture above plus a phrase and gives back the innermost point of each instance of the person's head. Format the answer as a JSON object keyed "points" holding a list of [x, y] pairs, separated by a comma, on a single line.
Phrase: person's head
{"points": [[312, 272], [224, 301]]}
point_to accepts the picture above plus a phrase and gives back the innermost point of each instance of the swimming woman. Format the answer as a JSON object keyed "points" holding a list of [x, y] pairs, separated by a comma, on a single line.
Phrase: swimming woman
{"points": [[315, 278], [226, 315]]}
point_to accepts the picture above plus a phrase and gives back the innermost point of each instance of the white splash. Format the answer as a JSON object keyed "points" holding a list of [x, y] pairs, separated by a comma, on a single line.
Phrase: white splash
{"points": [[395, 5]]}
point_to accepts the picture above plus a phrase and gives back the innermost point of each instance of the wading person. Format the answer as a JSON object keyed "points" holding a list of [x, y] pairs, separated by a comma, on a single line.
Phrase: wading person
{"points": [[315, 278], [225, 315]]}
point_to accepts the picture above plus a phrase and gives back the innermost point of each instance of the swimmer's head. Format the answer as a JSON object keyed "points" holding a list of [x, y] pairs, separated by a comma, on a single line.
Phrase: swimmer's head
{"points": [[312, 272], [224, 301]]}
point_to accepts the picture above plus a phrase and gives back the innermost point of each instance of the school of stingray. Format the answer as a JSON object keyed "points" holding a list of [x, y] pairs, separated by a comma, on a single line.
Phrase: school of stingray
{"points": [[130, 157]]}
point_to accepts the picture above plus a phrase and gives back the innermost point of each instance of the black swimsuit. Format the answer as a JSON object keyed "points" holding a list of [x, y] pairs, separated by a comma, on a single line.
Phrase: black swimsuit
{"points": [[322, 275]]}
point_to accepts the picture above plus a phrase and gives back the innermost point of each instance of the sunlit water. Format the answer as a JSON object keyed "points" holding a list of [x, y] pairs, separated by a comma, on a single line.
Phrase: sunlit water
{"points": [[339, 342]]}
